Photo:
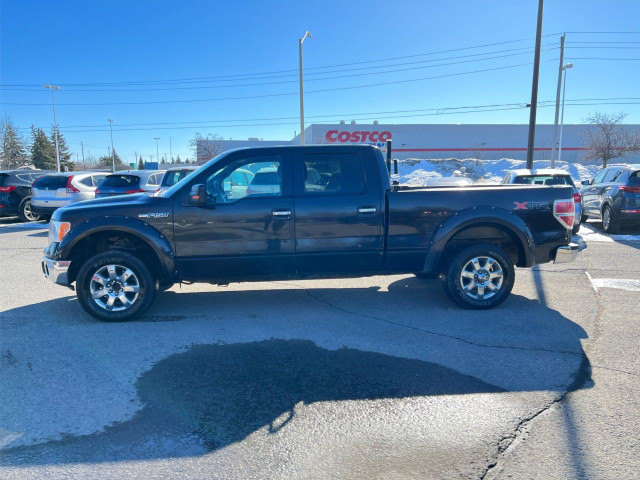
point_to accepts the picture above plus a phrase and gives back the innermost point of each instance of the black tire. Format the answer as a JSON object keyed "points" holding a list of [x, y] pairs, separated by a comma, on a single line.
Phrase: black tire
{"points": [[25, 213], [583, 218], [609, 224], [502, 285], [146, 293], [575, 229]]}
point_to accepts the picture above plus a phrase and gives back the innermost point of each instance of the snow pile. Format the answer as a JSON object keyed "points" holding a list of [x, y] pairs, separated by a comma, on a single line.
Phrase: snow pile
{"points": [[415, 171]]}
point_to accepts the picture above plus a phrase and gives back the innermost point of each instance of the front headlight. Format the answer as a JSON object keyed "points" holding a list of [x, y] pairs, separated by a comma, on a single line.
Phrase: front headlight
{"points": [[57, 230]]}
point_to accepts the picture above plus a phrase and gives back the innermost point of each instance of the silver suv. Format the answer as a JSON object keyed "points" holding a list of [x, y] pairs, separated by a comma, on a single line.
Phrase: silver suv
{"points": [[56, 190]]}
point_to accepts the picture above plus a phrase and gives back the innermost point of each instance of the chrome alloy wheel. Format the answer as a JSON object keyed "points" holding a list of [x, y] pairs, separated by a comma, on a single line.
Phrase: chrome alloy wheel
{"points": [[481, 278], [30, 214], [114, 288], [606, 218]]}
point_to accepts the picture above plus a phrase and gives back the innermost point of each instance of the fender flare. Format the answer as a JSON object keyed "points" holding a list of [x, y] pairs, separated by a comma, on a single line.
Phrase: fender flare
{"points": [[477, 216], [156, 241]]}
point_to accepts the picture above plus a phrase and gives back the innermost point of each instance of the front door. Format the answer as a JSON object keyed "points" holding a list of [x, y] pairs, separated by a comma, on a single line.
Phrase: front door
{"points": [[338, 212], [248, 231]]}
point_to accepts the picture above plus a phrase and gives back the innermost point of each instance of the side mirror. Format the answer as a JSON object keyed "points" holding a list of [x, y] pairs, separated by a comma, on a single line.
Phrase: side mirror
{"points": [[585, 182], [198, 196]]}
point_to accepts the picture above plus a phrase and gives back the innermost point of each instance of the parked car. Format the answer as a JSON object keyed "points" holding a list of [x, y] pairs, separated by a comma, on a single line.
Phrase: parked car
{"points": [[56, 190], [15, 193], [547, 176], [174, 175], [266, 181], [130, 181], [122, 251], [613, 195]]}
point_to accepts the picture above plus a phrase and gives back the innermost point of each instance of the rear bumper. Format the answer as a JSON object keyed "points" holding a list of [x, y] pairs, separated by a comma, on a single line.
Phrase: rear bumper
{"points": [[43, 210], [56, 270], [629, 215], [566, 253]]}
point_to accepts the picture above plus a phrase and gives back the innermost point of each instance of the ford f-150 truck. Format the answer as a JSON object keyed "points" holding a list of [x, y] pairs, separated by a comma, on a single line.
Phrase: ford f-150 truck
{"points": [[304, 212]]}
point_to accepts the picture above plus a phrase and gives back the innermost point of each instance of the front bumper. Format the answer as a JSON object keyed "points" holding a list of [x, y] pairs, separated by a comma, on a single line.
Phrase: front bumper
{"points": [[566, 253], [56, 270]]}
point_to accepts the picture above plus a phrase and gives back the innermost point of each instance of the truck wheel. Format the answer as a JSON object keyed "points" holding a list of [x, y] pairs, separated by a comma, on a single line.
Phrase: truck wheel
{"points": [[115, 286], [480, 277], [608, 223], [25, 213]]}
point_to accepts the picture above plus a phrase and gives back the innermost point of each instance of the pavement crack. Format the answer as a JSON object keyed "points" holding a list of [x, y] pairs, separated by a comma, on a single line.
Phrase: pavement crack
{"points": [[430, 332], [580, 377]]}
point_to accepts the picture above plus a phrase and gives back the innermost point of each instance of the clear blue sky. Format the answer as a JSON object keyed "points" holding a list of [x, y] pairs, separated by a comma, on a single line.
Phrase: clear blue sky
{"points": [[144, 42]]}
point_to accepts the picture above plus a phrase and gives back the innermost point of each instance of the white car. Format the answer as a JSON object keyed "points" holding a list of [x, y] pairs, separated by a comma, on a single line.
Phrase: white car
{"points": [[265, 181], [550, 177], [56, 190]]}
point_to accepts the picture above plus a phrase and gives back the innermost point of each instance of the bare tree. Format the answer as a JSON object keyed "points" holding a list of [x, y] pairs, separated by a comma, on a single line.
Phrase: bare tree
{"points": [[205, 148], [606, 137]]}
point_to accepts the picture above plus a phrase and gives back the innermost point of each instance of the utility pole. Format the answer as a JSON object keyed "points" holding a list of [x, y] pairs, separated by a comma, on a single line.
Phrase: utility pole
{"points": [[534, 89], [113, 153], [157, 154], [170, 154], [555, 123], [306, 34], [55, 124], [84, 165]]}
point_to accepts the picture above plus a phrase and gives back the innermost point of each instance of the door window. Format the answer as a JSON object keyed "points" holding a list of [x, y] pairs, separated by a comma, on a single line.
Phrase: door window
{"points": [[611, 176], [598, 178], [248, 177], [333, 173]]}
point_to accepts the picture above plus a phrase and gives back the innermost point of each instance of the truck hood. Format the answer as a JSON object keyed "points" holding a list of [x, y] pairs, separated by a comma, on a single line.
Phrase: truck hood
{"points": [[137, 205]]}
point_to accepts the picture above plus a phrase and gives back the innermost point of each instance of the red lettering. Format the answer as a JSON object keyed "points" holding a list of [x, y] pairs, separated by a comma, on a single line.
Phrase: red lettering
{"points": [[355, 137], [365, 135], [344, 136], [384, 136], [331, 135], [373, 137]]}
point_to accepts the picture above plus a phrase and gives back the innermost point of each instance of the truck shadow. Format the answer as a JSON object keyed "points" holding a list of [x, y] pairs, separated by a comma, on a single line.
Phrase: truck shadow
{"points": [[213, 395]]}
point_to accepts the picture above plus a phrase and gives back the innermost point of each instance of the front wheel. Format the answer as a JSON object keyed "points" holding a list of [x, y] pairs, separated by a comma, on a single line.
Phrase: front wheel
{"points": [[480, 277], [115, 286]]}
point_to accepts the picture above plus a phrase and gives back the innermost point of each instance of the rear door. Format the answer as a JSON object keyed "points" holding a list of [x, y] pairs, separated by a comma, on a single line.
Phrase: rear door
{"points": [[590, 201], [338, 212]]}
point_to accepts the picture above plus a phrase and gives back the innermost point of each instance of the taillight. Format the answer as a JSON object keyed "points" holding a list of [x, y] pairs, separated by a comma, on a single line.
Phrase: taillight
{"points": [[565, 211], [577, 198], [629, 189], [137, 190], [7, 189], [71, 188]]}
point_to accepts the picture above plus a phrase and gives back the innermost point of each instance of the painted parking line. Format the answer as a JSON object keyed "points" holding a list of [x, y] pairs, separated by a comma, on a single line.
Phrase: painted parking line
{"points": [[629, 285]]}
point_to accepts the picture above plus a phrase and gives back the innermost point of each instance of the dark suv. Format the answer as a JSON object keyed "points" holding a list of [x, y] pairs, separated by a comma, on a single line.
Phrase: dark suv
{"points": [[15, 193], [614, 196]]}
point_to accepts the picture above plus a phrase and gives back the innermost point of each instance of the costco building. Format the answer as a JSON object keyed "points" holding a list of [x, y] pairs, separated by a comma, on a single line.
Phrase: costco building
{"points": [[484, 141]]}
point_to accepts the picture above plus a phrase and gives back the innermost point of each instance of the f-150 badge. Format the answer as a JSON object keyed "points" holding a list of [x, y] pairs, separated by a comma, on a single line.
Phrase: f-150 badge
{"points": [[154, 215], [532, 206]]}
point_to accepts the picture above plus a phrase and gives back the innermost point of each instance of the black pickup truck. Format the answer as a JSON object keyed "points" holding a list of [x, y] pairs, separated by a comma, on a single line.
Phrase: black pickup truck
{"points": [[303, 212]]}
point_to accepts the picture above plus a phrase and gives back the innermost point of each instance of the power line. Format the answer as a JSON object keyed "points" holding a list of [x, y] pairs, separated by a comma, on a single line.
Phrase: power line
{"points": [[198, 100]]}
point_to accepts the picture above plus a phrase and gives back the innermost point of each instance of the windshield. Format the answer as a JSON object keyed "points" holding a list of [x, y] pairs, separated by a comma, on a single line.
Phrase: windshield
{"points": [[169, 192]]}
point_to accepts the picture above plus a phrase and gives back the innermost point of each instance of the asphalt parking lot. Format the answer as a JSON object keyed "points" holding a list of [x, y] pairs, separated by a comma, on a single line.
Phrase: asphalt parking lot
{"points": [[380, 377]]}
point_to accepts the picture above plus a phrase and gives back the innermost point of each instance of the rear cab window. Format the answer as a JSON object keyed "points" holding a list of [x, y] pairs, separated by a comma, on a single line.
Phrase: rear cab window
{"points": [[340, 173], [544, 180]]}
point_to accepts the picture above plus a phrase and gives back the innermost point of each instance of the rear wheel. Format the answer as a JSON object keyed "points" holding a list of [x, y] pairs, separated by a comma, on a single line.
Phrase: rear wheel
{"points": [[115, 286], [479, 277], [608, 223], [25, 213]]}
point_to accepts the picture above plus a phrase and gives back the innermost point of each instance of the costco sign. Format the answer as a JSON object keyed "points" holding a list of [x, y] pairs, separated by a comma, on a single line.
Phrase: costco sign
{"points": [[375, 137]]}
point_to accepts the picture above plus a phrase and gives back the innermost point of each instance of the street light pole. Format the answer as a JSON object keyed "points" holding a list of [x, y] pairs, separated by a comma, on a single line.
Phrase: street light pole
{"points": [[564, 89], [555, 123], [55, 124], [157, 154], [306, 34], [113, 153]]}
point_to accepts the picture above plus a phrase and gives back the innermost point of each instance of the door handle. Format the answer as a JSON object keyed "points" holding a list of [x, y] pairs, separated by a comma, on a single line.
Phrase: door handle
{"points": [[281, 213], [366, 209]]}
